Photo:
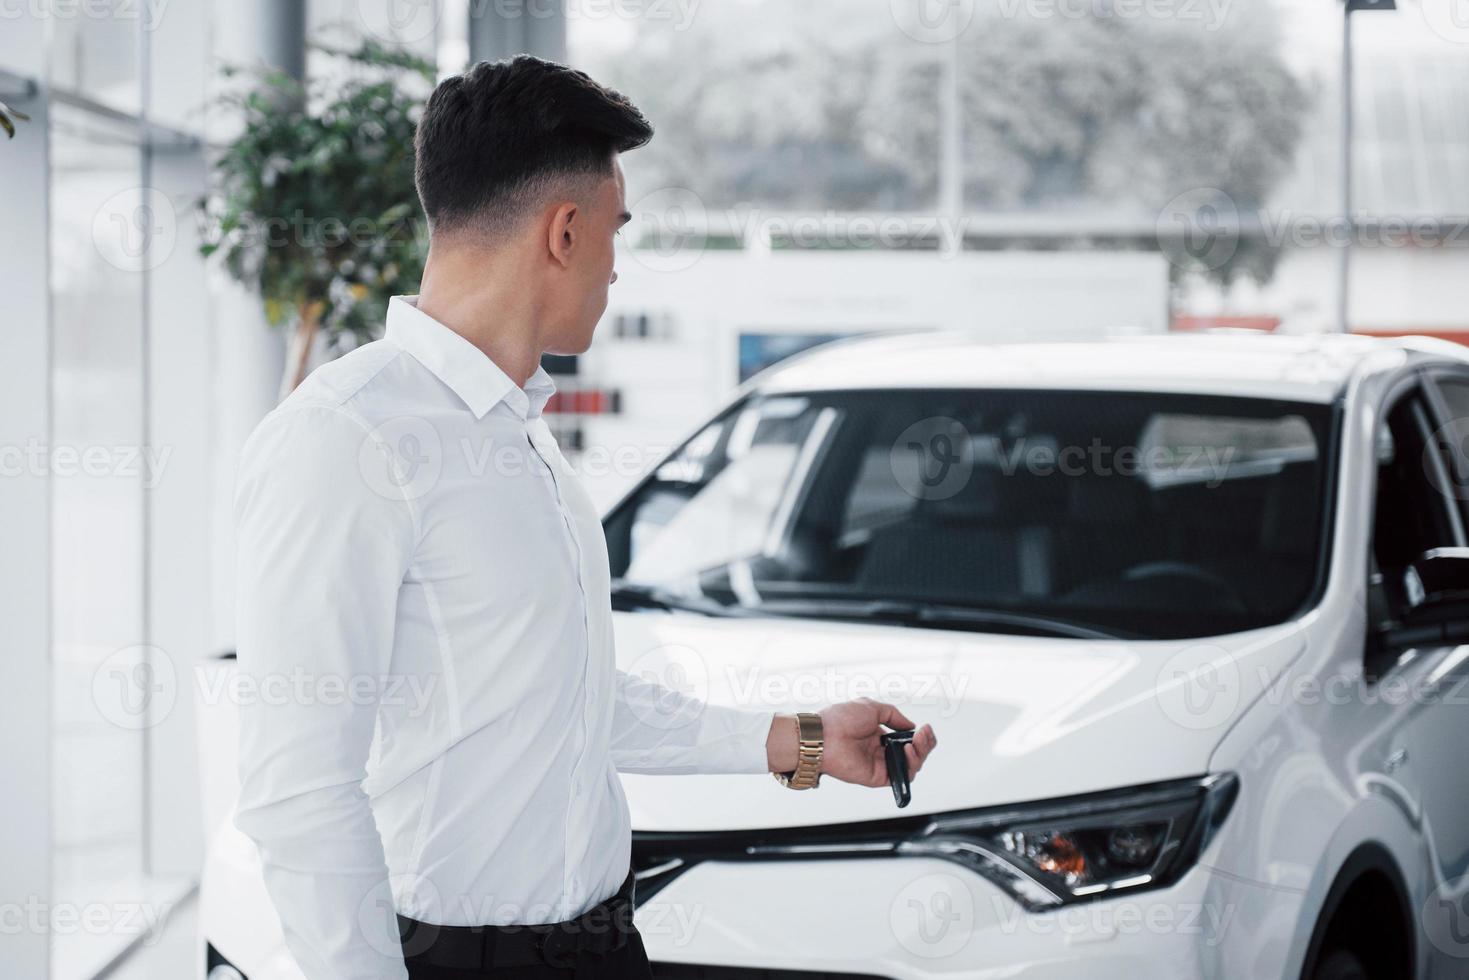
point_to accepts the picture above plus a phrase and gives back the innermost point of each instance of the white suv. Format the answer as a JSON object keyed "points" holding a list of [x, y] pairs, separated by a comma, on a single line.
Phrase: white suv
{"points": [[1186, 613]]}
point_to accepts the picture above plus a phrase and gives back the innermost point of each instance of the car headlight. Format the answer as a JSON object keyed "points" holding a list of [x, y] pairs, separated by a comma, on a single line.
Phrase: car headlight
{"points": [[1057, 853]]}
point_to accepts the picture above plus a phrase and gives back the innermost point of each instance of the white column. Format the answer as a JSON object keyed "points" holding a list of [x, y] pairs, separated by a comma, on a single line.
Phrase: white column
{"points": [[178, 493], [25, 522], [282, 25], [503, 30]]}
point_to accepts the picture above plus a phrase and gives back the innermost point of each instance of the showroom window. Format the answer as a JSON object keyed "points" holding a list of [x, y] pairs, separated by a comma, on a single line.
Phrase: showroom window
{"points": [[895, 108], [95, 53], [771, 104], [117, 187], [135, 372]]}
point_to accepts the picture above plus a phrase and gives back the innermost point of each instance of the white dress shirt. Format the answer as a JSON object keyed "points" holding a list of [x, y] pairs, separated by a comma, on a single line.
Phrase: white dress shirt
{"points": [[431, 716]]}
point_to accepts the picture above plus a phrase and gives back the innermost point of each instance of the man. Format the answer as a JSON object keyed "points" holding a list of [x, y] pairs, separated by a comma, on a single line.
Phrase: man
{"points": [[420, 570]]}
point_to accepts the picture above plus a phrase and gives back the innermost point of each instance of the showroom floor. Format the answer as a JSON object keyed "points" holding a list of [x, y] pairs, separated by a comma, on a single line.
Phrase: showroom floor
{"points": [[170, 956]]}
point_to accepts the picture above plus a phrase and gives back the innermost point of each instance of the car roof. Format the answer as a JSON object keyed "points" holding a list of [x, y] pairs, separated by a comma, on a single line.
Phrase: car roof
{"points": [[1312, 368]]}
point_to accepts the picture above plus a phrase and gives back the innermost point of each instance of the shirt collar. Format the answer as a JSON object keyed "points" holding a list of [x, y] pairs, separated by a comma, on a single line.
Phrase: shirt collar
{"points": [[468, 372]]}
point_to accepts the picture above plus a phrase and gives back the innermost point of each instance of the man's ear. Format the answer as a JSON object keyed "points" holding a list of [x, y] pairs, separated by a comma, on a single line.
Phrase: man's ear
{"points": [[562, 234]]}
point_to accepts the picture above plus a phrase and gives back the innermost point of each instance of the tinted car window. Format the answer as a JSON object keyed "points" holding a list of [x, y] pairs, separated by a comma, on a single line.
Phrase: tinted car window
{"points": [[1411, 514], [1139, 514]]}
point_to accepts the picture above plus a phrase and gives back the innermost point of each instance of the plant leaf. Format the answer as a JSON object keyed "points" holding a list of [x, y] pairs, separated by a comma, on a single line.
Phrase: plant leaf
{"points": [[6, 115]]}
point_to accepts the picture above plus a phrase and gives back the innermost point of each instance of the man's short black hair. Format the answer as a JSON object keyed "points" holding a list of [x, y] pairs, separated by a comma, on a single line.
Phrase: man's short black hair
{"points": [[493, 140]]}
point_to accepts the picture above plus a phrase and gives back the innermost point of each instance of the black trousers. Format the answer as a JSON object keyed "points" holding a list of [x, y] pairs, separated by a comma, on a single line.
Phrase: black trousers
{"points": [[628, 963]]}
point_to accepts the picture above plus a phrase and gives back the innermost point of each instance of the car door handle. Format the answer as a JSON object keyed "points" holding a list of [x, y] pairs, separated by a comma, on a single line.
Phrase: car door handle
{"points": [[1395, 761]]}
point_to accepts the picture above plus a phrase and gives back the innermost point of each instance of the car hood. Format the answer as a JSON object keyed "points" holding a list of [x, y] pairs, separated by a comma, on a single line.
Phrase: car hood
{"points": [[1017, 718]]}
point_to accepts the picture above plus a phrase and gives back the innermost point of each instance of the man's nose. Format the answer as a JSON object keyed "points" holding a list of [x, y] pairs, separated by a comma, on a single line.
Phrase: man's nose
{"points": [[614, 276]]}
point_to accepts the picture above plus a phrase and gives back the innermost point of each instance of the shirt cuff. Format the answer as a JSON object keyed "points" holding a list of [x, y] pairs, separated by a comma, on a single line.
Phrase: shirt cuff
{"points": [[732, 740]]}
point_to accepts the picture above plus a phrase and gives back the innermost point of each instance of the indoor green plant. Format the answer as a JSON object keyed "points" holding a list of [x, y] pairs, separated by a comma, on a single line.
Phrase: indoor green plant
{"points": [[313, 203]]}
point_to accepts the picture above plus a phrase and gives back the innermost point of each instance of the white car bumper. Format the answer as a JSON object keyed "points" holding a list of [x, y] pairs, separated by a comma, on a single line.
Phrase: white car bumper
{"points": [[925, 918]]}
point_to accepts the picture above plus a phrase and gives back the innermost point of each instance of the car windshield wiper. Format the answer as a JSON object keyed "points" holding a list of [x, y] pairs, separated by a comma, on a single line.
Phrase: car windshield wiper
{"points": [[628, 596], [936, 616]]}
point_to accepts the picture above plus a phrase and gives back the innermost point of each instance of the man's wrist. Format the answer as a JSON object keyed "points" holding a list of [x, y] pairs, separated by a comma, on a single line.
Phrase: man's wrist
{"points": [[810, 747], [782, 744]]}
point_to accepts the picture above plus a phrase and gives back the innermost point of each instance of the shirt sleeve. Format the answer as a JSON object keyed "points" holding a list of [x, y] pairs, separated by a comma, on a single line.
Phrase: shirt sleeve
{"points": [[322, 551], [661, 731]]}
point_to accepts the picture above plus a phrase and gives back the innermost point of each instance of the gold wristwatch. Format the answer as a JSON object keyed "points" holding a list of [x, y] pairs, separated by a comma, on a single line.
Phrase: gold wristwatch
{"points": [[808, 757]]}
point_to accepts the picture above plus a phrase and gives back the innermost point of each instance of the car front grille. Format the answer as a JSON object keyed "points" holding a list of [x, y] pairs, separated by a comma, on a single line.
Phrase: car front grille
{"points": [[695, 971]]}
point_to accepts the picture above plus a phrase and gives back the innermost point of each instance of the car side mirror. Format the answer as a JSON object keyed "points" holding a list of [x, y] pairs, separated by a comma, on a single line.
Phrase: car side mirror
{"points": [[1436, 587], [1439, 575]]}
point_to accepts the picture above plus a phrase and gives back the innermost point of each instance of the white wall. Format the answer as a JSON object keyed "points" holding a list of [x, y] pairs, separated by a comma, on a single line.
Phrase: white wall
{"points": [[244, 375]]}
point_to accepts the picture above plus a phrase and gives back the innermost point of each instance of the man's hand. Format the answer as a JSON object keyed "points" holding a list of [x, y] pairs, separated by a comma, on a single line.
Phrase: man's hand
{"points": [[852, 753]]}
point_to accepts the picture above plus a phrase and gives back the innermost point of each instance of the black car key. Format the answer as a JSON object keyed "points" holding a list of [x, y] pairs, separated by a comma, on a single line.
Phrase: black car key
{"points": [[894, 746]]}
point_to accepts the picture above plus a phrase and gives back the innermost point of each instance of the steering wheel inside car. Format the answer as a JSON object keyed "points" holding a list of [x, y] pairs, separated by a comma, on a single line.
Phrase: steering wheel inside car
{"points": [[1222, 593]]}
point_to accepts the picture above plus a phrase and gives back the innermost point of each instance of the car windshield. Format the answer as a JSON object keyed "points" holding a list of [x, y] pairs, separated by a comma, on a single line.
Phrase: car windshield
{"points": [[1063, 513]]}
